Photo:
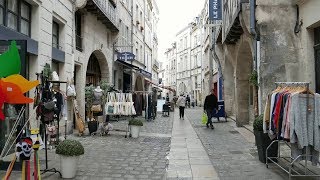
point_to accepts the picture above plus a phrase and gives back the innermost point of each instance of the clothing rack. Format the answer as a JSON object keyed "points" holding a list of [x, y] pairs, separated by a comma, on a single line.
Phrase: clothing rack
{"points": [[290, 169], [54, 170]]}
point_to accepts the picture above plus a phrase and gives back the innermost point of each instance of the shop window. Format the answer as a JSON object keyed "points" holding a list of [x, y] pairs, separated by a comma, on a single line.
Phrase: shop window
{"points": [[13, 14], [16, 15], [55, 35], [25, 18]]}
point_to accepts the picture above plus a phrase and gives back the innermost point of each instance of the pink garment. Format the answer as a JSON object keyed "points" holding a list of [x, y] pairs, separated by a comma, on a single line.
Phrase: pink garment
{"points": [[287, 118]]}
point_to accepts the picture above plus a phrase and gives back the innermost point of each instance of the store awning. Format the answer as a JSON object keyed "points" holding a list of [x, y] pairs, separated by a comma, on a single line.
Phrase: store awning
{"points": [[128, 65]]}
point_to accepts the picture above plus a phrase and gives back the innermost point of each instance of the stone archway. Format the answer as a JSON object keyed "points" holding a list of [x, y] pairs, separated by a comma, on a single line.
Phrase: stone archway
{"points": [[97, 68], [243, 93], [229, 87], [138, 85]]}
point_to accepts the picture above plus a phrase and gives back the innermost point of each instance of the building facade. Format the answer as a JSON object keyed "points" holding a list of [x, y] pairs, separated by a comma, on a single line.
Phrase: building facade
{"points": [[184, 82], [280, 42], [80, 40], [195, 61]]}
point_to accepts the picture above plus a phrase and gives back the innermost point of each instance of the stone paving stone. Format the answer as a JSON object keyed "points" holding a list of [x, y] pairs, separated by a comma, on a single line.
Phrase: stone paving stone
{"points": [[231, 153], [161, 125], [117, 157]]}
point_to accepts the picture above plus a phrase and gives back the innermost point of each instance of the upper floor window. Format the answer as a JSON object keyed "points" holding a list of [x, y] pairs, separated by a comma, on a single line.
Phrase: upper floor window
{"points": [[16, 15], [55, 35], [78, 21]]}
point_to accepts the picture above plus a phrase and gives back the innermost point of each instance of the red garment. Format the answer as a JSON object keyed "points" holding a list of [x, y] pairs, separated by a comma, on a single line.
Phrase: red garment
{"points": [[277, 111]]}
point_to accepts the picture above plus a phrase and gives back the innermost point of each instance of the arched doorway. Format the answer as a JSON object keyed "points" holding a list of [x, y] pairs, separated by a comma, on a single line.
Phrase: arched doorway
{"points": [[138, 85], [243, 90], [93, 75], [97, 69]]}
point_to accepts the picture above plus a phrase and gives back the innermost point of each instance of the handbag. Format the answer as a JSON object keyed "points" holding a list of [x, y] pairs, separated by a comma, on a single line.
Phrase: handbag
{"points": [[204, 118], [71, 91], [96, 108]]}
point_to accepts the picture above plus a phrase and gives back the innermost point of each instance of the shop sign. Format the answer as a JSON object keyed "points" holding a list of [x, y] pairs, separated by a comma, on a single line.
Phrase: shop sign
{"points": [[215, 9], [126, 56], [145, 73], [231, 9]]}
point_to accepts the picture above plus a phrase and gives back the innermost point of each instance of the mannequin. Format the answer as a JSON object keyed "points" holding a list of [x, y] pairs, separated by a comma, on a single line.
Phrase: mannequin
{"points": [[97, 93]]}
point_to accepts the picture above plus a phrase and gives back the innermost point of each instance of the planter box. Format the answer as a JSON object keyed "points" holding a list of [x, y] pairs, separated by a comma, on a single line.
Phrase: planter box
{"points": [[262, 142], [68, 165], [135, 131]]}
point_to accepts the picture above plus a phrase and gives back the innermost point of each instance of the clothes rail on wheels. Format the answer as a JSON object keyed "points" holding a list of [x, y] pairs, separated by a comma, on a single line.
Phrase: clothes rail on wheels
{"points": [[291, 163]]}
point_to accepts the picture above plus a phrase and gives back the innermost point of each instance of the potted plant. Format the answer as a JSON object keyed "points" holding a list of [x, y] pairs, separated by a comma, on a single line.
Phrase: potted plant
{"points": [[263, 140], [135, 125], [69, 151]]}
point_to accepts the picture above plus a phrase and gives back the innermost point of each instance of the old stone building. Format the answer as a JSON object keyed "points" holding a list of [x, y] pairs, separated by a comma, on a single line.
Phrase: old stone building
{"points": [[280, 41]]}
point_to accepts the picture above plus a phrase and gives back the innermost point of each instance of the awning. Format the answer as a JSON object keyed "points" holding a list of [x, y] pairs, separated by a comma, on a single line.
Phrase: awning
{"points": [[127, 65]]}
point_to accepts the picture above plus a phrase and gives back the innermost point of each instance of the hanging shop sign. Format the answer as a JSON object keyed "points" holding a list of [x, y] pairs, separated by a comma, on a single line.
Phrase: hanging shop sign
{"points": [[126, 56], [215, 9], [145, 73], [231, 9]]}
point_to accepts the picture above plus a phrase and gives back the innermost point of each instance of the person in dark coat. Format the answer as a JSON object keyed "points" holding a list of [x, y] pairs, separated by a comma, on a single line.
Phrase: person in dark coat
{"points": [[211, 107]]}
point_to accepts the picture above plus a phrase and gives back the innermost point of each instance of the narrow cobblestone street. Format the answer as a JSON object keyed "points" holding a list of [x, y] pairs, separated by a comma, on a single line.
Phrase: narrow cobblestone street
{"points": [[116, 157], [169, 148]]}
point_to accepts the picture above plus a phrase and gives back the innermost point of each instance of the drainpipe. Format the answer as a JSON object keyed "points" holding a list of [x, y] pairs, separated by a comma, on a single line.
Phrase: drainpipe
{"points": [[256, 47]]}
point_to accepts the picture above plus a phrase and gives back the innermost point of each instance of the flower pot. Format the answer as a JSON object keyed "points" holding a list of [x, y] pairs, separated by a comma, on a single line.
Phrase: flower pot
{"points": [[262, 142], [68, 166], [135, 131]]}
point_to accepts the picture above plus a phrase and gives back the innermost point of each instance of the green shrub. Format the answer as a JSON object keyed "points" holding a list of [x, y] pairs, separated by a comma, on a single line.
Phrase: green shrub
{"points": [[258, 123], [135, 122], [70, 147]]}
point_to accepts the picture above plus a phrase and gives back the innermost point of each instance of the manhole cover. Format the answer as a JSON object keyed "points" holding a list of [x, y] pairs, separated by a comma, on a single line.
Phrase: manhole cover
{"points": [[234, 132], [236, 152]]}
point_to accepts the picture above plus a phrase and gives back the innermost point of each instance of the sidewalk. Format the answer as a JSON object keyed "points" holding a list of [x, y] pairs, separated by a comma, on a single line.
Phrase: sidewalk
{"points": [[188, 158], [232, 150]]}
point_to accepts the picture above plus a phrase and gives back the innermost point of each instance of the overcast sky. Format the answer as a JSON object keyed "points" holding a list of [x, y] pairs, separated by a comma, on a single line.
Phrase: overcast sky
{"points": [[174, 16]]}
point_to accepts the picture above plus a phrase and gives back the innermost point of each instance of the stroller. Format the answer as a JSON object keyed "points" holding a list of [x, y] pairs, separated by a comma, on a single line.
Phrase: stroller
{"points": [[166, 110]]}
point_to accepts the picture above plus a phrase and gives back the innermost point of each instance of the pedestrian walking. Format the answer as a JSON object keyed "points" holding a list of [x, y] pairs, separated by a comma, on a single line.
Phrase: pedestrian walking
{"points": [[181, 103], [188, 101], [211, 107]]}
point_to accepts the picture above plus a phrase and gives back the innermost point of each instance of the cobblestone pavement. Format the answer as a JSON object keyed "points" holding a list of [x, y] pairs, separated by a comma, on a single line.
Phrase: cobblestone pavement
{"points": [[232, 156], [161, 125], [116, 157]]}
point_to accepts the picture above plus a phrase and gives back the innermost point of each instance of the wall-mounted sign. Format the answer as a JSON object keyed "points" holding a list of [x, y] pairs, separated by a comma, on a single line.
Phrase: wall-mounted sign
{"points": [[145, 73], [126, 56], [215, 9]]}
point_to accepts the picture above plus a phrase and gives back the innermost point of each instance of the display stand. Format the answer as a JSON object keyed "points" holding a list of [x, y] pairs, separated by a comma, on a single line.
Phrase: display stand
{"points": [[53, 170], [275, 160]]}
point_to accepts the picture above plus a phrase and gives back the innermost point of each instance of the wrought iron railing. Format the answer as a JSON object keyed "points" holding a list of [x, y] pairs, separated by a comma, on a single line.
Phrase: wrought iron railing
{"points": [[109, 11]]}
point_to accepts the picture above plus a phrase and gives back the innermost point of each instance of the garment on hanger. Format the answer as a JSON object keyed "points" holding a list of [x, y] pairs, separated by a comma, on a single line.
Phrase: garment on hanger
{"points": [[292, 115]]}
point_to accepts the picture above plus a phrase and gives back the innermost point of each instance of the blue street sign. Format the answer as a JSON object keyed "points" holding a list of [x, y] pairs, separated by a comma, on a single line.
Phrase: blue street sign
{"points": [[126, 56], [215, 9], [146, 73]]}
